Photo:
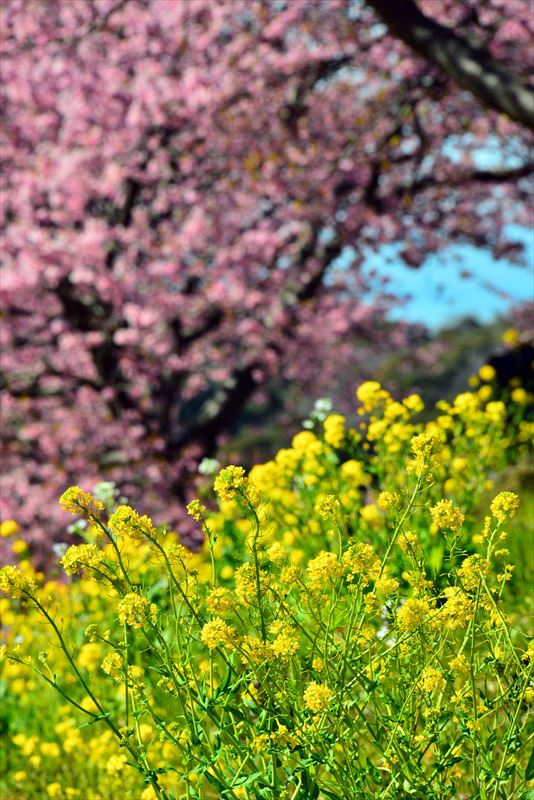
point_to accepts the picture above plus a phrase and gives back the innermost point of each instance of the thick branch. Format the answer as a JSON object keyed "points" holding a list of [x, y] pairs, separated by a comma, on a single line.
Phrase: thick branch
{"points": [[314, 281], [462, 179], [473, 68], [213, 411], [296, 106], [217, 411], [33, 388], [211, 322], [86, 317]]}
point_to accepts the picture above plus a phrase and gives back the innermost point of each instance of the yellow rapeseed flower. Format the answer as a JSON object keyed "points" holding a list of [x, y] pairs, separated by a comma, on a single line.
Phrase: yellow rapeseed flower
{"points": [[414, 403], [496, 411], [334, 430], [245, 582], [511, 337], [217, 632], [50, 749], [387, 500], [322, 569], [460, 665], [412, 613], [229, 482], [431, 680], [127, 523], [458, 609], [276, 552], [424, 447], [8, 528], [19, 546], [136, 610], [317, 697], [472, 570], [371, 395], [487, 373], [82, 558], [360, 559], [14, 583], [113, 665], [196, 510], [286, 642], [81, 503], [115, 763], [504, 506], [353, 472], [445, 515], [89, 656], [520, 396], [303, 440], [326, 506], [220, 600]]}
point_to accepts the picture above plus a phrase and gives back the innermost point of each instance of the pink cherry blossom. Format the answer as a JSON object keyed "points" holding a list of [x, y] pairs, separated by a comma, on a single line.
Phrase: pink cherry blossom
{"points": [[179, 181]]}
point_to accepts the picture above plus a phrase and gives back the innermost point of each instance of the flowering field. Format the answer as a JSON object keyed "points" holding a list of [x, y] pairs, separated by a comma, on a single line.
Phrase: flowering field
{"points": [[355, 625]]}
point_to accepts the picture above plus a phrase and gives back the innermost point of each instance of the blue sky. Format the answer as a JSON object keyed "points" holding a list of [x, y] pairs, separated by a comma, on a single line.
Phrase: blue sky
{"points": [[438, 294]]}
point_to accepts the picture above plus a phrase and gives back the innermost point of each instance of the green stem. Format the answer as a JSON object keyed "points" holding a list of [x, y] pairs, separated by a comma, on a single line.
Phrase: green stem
{"points": [[104, 715], [257, 565], [399, 525]]}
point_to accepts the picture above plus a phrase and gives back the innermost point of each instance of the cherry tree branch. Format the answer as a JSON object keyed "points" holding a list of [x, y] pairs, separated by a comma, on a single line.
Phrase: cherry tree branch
{"points": [[471, 67], [476, 176]]}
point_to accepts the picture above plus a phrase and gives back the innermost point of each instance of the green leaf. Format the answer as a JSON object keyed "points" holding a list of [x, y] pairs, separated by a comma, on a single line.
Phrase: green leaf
{"points": [[435, 558], [220, 690], [245, 780], [215, 782], [492, 738], [328, 793], [92, 721]]}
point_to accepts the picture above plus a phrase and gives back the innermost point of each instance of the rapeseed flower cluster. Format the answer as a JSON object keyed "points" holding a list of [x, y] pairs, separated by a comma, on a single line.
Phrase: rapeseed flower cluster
{"points": [[217, 632], [196, 510], [85, 558], [431, 680], [81, 503], [504, 506], [413, 613], [327, 506], [445, 515], [229, 482], [113, 665], [322, 570], [8, 528], [14, 583], [286, 640], [317, 698], [334, 430], [126, 523], [361, 561], [136, 610], [326, 640]]}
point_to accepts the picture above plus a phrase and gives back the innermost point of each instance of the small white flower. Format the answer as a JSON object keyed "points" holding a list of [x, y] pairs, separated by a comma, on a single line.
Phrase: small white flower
{"points": [[209, 466]]}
